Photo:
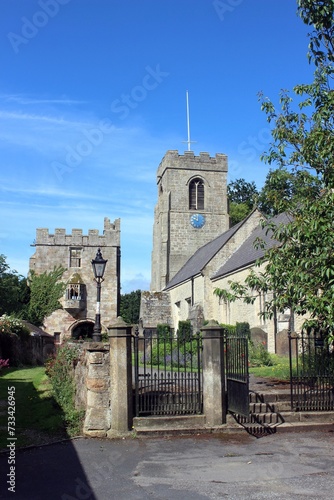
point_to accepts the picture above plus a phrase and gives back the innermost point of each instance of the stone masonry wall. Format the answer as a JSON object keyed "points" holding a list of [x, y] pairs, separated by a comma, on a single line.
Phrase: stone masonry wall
{"points": [[155, 309], [174, 239], [92, 378], [54, 250]]}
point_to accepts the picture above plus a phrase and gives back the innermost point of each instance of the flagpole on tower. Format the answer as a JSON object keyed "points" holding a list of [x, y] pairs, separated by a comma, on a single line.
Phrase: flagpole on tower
{"points": [[188, 120], [188, 141]]}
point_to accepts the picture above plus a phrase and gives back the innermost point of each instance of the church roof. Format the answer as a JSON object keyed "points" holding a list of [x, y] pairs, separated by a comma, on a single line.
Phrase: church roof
{"points": [[201, 257], [247, 254]]}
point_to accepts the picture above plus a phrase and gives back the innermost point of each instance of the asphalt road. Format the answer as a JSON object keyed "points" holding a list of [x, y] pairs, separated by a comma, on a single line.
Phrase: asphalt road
{"points": [[279, 466]]}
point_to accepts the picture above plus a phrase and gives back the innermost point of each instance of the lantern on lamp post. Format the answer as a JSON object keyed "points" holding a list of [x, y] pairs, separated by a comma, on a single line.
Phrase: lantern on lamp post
{"points": [[99, 265]]}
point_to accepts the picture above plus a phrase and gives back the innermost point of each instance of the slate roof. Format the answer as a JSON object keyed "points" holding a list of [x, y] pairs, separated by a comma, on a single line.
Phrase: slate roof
{"points": [[35, 330], [246, 254], [201, 257]]}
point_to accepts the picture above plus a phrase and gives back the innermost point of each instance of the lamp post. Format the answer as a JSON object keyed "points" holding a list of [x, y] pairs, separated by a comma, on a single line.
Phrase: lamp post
{"points": [[99, 265]]}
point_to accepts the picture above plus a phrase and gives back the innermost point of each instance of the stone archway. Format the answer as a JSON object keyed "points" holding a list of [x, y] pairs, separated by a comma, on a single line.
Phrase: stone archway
{"points": [[82, 330]]}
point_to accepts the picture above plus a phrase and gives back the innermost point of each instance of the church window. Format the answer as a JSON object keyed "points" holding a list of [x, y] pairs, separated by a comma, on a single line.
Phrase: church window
{"points": [[196, 194], [75, 257]]}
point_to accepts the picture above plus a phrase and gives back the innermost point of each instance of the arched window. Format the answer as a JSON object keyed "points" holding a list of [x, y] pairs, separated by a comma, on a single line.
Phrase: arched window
{"points": [[196, 194]]}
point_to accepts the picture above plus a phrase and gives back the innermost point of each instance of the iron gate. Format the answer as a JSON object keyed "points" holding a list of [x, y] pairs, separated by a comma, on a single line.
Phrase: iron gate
{"points": [[237, 373], [168, 375], [311, 372]]}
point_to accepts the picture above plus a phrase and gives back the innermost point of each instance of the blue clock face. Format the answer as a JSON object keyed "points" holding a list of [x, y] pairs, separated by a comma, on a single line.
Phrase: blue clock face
{"points": [[197, 221]]}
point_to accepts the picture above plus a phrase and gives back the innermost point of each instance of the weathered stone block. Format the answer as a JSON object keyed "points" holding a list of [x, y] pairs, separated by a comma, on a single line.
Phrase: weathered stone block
{"points": [[98, 399], [98, 371], [95, 358], [97, 419], [97, 385]]}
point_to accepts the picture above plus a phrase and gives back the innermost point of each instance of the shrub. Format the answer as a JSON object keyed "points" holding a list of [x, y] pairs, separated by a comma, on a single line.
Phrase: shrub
{"points": [[163, 331], [174, 354], [185, 331], [230, 329], [243, 329], [10, 324], [60, 369], [258, 354], [4, 363]]}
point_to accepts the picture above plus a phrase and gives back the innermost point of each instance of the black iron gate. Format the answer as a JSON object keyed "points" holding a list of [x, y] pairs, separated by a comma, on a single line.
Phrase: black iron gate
{"points": [[168, 375], [311, 372], [237, 373]]}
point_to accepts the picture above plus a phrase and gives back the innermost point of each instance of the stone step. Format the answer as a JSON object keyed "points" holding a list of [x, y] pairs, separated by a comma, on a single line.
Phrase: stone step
{"points": [[276, 407], [270, 396], [261, 419]]}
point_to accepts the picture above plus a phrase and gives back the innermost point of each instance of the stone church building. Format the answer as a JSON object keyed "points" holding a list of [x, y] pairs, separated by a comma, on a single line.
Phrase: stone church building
{"points": [[195, 250], [75, 252]]}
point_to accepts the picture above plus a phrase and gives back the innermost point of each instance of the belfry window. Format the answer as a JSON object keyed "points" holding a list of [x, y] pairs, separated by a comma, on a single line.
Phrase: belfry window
{"points": [[196, 194]]}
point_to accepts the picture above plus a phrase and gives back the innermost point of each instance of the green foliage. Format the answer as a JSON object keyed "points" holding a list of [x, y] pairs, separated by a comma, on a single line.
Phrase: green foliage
{"points": [[185, 331], [14, 292], [279, 370], [241, 191], [242, 199], [238, 212], [283, 190], [243, 329], [37, 419], [60, 369], [10, 324], [130, 307], [45, 291], [175, 353], [258, 354], [163, 331], [300, 268], [230, 329]]}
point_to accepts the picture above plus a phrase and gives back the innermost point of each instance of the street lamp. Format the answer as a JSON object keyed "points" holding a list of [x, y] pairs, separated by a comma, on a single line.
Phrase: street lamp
{"points": [[99, 265]]}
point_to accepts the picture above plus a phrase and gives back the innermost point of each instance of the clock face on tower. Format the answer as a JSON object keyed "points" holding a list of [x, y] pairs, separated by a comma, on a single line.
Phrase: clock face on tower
{"points": [[197, 221]]}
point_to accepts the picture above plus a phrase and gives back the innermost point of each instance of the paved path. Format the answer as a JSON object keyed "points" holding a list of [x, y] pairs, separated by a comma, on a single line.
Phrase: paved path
{"points": [[288, 466]]}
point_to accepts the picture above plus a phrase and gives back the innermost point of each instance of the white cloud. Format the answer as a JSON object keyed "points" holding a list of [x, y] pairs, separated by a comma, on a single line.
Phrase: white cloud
{"points": [[115, 180]]}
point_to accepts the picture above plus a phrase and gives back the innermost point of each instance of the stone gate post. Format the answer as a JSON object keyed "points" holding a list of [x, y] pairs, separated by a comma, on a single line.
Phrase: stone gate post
{"points": [[213, 374], [92, 382], [120, 376]]}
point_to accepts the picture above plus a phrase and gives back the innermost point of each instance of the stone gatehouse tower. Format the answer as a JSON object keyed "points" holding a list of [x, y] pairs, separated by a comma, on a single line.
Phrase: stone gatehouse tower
{"points": [[191, 210], [75, 252]]}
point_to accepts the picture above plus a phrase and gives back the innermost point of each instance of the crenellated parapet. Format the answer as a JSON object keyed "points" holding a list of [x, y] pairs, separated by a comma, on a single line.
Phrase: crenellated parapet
{"points": [[189, 161], [110, 236]]}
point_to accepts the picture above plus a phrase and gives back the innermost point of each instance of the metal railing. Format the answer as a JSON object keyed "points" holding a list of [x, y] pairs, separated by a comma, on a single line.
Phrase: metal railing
{"points": [[311, 372], [167, 375]]}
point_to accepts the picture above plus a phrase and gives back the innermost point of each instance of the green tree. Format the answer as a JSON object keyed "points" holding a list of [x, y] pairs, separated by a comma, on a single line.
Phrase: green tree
{"points": [[130, 307], [242, 197], [45, 291], [300, 270], [14, 292], [283, 189]]}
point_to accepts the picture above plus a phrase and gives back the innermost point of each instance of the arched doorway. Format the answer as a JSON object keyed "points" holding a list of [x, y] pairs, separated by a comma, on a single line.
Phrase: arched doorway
{"points": [[83, 330]]}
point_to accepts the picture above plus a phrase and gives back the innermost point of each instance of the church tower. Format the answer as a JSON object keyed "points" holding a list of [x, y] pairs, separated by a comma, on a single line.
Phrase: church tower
{"points": [[191, 210]]}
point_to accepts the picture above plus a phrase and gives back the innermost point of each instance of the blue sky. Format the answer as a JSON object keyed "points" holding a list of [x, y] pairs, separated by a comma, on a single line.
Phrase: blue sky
{"points": [[93, 93]]}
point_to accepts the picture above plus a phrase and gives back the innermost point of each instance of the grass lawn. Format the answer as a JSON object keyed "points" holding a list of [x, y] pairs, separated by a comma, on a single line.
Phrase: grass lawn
{"points": [[38, 418], [280, 369]]}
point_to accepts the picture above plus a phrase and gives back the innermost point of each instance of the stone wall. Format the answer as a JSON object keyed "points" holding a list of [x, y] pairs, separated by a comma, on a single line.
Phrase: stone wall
{"points": [[155, 309], [174, 239], [34, 350], [92, 378], [54, 250]]}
